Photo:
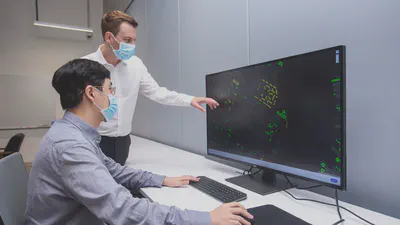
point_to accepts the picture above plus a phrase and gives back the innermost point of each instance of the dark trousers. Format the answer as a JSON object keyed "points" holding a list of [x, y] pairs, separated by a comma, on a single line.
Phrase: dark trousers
{"points": [[116, 148]]}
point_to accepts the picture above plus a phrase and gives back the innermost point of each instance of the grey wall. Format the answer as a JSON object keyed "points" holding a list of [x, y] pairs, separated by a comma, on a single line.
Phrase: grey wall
{"points": [[187, 39], [109, 5], [26, 101], [29, 55]]}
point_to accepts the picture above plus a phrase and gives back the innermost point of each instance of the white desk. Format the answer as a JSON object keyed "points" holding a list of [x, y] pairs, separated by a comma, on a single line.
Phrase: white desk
{"points": [[161, 159]]}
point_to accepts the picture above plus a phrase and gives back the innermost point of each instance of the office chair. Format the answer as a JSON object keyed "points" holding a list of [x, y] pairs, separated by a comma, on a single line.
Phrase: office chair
{"points": [[13, 186], [13, 145]]}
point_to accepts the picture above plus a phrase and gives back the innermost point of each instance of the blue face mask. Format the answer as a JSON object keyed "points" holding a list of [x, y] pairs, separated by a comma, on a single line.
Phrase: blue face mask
{"points": [[109, 112], [125, 50]]}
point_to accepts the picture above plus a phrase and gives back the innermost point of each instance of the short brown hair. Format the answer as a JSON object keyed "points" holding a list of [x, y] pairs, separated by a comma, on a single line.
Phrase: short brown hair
{"points": [[111, 22]]}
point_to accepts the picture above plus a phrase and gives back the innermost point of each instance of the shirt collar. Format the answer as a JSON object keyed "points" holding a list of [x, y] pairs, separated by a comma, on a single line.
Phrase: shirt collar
{"points": [[88, 131], [102, 60]]}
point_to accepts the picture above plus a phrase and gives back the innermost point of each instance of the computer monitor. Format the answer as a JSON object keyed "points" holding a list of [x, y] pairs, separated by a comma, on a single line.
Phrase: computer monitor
{"points": [[286, 116]]}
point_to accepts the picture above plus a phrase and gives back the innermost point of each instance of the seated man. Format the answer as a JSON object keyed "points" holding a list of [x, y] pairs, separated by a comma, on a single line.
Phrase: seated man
{"points": [[73, 182]]}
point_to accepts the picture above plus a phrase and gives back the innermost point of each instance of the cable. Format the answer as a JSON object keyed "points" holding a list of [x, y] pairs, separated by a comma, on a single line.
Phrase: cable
{"points": [[128, 6], [250, 172], [337, 204], [342, 220], [244, 171], [290, 182], [308, 188], [338, 209], [301, 188], [311, 200], [37, 10]]}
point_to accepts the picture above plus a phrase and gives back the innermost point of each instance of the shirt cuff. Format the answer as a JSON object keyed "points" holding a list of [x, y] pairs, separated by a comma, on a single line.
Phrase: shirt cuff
{"points": [[187, 99], [156, 180], [199, 218]]}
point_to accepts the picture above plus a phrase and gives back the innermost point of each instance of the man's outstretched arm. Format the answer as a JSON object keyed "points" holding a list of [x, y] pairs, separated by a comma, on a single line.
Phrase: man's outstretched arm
{"points": [[150, 88]]}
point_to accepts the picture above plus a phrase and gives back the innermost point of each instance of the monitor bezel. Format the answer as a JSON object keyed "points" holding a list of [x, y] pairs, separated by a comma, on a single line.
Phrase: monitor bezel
{"points": [[343, 176]]}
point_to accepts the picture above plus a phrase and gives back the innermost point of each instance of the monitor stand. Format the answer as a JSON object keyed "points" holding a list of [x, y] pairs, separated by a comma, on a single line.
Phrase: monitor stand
{"points": [[263, 183]]}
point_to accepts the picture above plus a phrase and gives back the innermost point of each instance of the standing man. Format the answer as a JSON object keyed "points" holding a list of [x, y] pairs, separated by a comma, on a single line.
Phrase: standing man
{"points": [[130, 76]]}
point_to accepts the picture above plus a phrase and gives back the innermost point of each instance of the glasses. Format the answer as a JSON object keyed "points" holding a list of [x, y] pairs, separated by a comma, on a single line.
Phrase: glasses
{"points": [[112, 89], [100, 88]]}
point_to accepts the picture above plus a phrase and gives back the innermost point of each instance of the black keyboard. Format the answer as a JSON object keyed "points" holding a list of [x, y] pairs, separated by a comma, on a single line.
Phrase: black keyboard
{"points": [[219, 191]]}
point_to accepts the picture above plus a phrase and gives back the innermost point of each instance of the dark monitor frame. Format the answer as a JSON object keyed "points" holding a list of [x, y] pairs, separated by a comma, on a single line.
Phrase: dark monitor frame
{"points": [[343, 176]]}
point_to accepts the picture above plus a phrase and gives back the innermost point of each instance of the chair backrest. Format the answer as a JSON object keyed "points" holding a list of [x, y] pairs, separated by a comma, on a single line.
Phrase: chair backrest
{"points": [[13, 189], [14, 144]]}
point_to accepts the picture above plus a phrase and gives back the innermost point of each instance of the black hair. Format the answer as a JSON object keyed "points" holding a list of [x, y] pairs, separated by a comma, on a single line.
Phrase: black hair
{"points": [[71, 79]]}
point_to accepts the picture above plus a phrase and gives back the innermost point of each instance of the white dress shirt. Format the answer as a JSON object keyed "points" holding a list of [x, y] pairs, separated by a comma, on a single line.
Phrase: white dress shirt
{"points": [[131, 77]]}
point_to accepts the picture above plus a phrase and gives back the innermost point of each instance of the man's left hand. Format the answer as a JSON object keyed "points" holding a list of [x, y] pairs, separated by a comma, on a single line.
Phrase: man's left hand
{"points": [[179, 181], [197, 101]]}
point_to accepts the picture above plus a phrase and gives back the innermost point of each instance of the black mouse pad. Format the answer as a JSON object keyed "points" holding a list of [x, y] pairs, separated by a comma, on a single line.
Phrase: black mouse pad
{"points": [[271, 215]]}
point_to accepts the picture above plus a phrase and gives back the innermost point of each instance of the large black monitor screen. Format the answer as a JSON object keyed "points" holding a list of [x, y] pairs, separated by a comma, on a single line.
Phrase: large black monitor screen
{"points": [[285, 114]]}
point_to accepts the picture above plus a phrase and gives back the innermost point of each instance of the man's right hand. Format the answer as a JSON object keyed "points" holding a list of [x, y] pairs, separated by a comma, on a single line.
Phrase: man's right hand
{"points": [[229, 214]]}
